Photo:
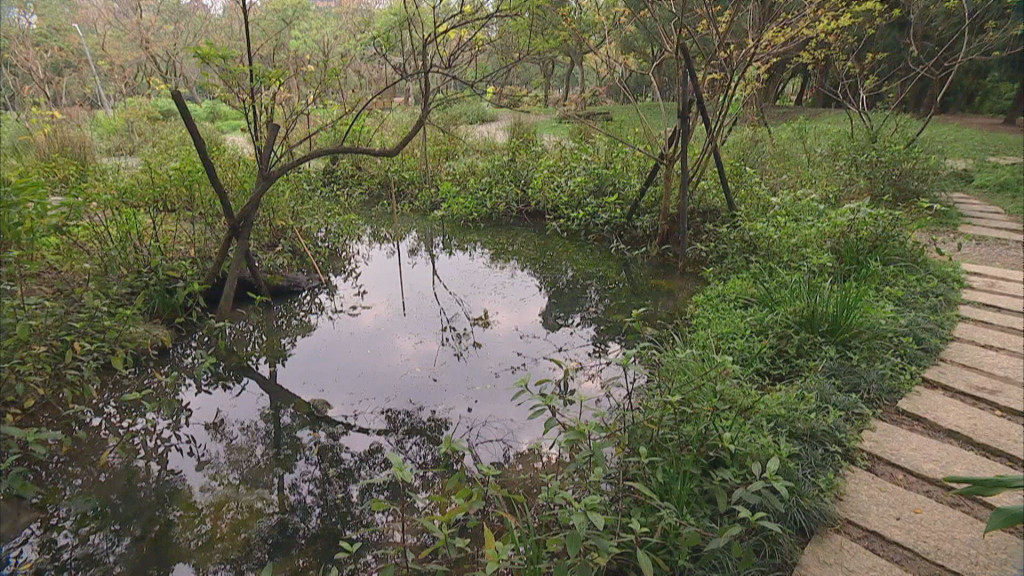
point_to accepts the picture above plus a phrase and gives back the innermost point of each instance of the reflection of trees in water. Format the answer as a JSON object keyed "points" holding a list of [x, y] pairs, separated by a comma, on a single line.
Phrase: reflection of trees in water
{"points": [[585, 285], [282, 487], [286, 485]]}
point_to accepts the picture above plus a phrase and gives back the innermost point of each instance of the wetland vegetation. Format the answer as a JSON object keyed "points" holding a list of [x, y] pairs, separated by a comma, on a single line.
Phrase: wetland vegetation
{"points": [[463, 340]]}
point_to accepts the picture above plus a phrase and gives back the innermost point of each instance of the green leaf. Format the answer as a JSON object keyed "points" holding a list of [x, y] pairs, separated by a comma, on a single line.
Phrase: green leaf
{"points": [[268, 570], [1005, 517], [596, 519], [573, 543], [773, 465], [488, 538], [644, 561]]}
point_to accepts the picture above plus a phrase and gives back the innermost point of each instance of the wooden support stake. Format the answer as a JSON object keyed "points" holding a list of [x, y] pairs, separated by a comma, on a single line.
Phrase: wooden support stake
{"points": [[652, 174], [706, 118], [310, 254], [684, 164]]}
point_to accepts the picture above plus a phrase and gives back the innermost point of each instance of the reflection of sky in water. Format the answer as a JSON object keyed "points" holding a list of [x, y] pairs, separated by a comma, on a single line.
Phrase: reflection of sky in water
{"points": [[376, 351]]}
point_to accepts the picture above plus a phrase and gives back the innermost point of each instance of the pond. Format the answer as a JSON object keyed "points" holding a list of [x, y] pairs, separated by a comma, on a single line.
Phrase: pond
{"points": [[256, 450]]}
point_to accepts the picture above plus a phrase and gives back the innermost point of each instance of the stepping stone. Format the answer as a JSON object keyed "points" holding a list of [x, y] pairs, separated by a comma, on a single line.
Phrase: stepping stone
{"points": [[994, 363], [989, 337], [971, 213], [834, 555], [959, 163], [945, 536], [1002, 394], [1001, 273], [962, 196], [1005, 302], [980, 207], [979, 426], [929, 458], [995, 318], [1005, 160], [992, 232], [1000, 286], [991, 223]]}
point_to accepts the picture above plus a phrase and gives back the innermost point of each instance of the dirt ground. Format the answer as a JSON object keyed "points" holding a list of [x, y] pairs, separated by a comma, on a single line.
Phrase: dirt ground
{"points": [[973, 250], [978, 122]]}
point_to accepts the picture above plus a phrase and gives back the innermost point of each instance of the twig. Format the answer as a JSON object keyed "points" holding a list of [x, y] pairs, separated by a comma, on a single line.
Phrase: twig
{"points": [[310, 254]]}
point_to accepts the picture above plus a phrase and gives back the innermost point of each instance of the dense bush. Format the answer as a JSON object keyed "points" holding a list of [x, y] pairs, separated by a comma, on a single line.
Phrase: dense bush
{"points": [[464, 113]]}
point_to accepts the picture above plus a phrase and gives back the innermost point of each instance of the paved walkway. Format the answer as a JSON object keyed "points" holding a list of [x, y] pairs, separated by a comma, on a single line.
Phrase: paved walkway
{"points": [[982, 219], [966, 418]]}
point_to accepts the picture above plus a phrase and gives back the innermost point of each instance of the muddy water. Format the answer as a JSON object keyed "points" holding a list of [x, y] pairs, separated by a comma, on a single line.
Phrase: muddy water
{"points": [[232, 453]]}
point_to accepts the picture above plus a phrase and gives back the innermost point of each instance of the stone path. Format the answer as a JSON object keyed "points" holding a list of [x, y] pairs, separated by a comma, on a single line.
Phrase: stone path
{"points": [[897, 517], [981, 219]]}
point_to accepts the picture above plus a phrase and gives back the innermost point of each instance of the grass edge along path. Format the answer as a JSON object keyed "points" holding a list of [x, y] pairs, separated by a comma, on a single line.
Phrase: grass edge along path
{"points": [[897, 515]]}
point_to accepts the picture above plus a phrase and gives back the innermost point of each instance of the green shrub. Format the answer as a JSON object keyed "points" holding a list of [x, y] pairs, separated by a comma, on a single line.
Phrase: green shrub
{"points": [[465, 112]]}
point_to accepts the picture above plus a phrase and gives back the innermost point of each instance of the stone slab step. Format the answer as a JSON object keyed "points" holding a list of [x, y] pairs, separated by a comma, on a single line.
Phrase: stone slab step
{"points": [[929, 458], [992, 223], [995, 318], [1001, 273], [981, 427], [997, 392], [1005, 287], [970, 213], [995, 363], [992, 233], [945, 536], [964, 196], [989, 337], [834, 555], [1005, 302], [979, 207]]}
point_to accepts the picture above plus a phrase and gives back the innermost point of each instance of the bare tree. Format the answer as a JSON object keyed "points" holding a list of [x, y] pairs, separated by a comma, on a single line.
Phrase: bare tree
{"points": [[423, 44]]}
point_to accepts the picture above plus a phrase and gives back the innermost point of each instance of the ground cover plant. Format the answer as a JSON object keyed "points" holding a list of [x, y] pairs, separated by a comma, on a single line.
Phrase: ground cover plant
{"points": [[820, 309], [157, 160]]}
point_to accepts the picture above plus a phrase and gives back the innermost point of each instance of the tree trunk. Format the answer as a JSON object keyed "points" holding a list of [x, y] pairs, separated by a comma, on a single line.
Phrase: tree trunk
{"points": [[568, 81], [1017, 108], [684, 169], [238, 259], [805, 79], [666, 196], [583, 81], [546, 73], [820, 86]]}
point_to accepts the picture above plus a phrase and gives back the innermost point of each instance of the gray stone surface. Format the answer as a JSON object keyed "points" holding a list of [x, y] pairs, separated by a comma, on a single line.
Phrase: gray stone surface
{"points": [[834, 555], [989, 337], [945, 536], [992, 223], [992, 233], [1005, 287], [970, 213], [994, 363], [1001, 273], [1005, 395], [929, 458], [980, 207], [1005, 320], [1010, 303], [981, 427]]}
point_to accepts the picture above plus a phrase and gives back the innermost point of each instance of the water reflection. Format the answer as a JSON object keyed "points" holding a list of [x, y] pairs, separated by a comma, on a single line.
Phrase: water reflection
{"points": [[256, 445]]}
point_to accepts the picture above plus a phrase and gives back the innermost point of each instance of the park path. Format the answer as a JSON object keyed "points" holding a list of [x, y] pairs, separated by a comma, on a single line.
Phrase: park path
{"points": [[897, 517]]}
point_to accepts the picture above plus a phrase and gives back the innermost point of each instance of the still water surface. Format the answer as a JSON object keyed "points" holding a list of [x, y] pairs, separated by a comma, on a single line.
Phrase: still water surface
{"points": [[255, 452]]}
